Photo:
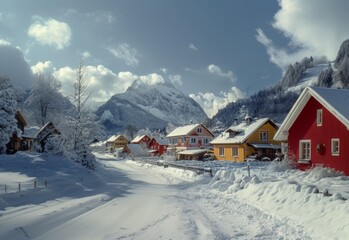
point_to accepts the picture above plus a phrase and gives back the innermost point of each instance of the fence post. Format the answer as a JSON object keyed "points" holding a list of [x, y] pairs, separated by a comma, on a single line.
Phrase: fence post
{"points": [[5, 189], [45, 183], [34, 184], [248, 168], [19, 187]]}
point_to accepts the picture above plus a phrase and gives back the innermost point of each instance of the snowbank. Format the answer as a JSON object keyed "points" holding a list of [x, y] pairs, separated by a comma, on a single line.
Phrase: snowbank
{"points": [[294, 196]]}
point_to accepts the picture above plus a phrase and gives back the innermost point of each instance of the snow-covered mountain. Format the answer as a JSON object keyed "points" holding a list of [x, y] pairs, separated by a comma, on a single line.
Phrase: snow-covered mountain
{"points": [[276, 101], [149, 105]]}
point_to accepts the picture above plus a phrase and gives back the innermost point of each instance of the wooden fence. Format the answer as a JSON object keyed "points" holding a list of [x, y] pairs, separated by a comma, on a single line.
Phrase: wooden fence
{"points": [[11, 187]]}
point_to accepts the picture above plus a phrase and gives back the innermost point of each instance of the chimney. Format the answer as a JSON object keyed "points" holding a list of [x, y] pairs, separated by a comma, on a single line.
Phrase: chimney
{"points": [[235, 121], [248, 119]]}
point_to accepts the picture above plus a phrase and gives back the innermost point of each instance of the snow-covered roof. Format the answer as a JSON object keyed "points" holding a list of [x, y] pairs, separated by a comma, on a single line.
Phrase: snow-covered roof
{"points": [[137, 150], [193, 151], [185, 130], [243, 131], [334, 100], [30, 132], [138, 138], [113, 138], [265, 146], [161, 140]]}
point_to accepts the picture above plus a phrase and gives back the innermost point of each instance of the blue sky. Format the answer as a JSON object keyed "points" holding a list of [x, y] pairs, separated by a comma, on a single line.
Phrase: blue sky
{"points": [[214, 51]]}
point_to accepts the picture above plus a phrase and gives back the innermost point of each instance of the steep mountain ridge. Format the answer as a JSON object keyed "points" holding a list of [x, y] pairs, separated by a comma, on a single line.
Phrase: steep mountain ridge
{"points": [[149, 106]]}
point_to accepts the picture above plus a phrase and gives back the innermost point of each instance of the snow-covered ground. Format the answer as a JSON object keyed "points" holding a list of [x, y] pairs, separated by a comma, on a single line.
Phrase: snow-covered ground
{"points": [[125, 199]]}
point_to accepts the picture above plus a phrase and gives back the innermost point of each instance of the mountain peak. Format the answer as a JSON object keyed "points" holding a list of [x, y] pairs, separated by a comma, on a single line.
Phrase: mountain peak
{"points": [[152, 102], [343, 53]]}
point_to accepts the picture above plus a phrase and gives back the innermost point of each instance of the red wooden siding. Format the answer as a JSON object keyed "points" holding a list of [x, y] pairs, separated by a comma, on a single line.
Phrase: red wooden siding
{"points": [[305, 128], [154, 145]]}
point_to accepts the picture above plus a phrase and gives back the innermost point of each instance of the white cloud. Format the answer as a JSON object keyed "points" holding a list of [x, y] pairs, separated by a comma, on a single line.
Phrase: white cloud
{"points": [[125, 52], [43, 68], [176, 79], [212, 103], [152, 79], [314, 27], [103, 82], [193, 47], [278, 56], [3, 42], [51, 32], [101, 16], [214, 69], [86, 54]]}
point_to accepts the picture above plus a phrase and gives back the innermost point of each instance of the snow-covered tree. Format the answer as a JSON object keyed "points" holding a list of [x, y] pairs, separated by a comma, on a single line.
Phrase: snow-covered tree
{"points": [[8, 109], [83, 123], [54, 144], [341, 76], [45, 99], [325, 77]]}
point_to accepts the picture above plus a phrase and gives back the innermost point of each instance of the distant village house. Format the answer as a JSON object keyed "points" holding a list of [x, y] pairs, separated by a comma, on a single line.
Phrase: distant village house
{"points": [[189, 141]]}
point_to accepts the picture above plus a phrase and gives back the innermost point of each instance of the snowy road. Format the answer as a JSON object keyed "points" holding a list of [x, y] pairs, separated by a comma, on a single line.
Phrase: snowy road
{"points": [[142, 204]]}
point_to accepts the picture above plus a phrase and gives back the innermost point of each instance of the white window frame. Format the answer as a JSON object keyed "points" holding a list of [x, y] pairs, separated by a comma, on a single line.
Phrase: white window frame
{"points": [[335, 152], [206, 140], [199, 130], [319, 117], [235, 151], [263, 134], [301, 150], [193, 140], [221, 151]]}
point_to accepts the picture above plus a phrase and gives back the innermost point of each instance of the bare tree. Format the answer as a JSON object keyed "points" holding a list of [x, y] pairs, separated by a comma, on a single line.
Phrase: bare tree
{"points": [[82, 121]]}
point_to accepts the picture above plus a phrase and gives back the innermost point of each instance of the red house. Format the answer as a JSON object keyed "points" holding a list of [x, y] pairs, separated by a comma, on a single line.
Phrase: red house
{"points": [[141, 140], [317, 129], [158, 146]]}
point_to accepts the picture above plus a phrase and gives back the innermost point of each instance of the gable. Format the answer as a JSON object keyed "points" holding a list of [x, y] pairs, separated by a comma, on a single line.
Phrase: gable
{"points": [[244, 132], [334, 100], [268, 127], [190, 130]]}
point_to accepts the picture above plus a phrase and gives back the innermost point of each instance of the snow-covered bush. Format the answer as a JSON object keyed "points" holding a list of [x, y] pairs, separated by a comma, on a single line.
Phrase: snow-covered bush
{"points": [[280, 166], [54, 145], [317, 173]]}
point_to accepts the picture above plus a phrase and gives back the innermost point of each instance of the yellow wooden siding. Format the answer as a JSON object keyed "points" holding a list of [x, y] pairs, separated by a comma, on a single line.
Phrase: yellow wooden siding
{"points": [[228, 152], [244, 150]]}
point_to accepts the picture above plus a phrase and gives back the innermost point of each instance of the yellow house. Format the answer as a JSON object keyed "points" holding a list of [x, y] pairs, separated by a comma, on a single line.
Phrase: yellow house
{"points": [[251, 137], [116, 142]]}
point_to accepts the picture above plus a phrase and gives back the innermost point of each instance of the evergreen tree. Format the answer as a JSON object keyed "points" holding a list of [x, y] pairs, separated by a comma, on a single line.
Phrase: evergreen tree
{"points": [[325, 77]]}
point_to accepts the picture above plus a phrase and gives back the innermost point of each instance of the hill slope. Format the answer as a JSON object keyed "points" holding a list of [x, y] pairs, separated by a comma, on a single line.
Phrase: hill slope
{"points": [[275, 102]]}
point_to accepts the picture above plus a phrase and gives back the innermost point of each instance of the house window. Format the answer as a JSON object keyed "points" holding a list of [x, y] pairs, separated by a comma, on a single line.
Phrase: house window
{"points": [[199, 130], [304, 150], [335, 146], [221, 151], [319, 117], [235, 152], [263, 136], [193, 140], [206, 140]]}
